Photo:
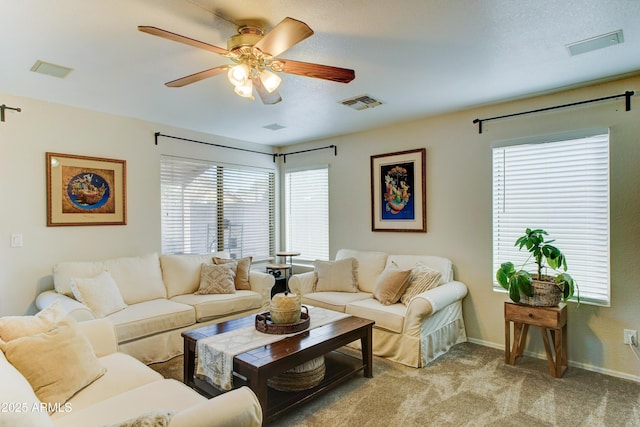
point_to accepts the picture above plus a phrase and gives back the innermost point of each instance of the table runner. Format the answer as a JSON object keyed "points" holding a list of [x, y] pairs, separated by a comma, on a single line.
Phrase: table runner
{"points": [[215, 354]]}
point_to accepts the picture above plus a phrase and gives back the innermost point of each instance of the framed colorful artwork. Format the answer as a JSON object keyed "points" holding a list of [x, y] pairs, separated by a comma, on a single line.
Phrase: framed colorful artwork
{"points": [[85, 190], [398, 191]]}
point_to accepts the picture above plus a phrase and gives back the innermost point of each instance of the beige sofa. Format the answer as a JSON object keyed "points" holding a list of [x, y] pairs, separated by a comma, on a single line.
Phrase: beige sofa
{"points": [[413, 334], [127, 389], [159, 300]]}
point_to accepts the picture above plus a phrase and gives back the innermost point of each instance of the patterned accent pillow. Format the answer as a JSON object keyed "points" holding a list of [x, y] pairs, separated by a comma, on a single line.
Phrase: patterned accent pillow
{"points": [[217, 279], [422, 279], [391, 284], [243, 267], [159, 418]]}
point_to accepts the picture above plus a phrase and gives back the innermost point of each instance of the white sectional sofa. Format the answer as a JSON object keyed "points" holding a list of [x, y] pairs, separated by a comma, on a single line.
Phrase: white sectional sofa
{"points": [[413, 334], [126, 390], [159, 299]]}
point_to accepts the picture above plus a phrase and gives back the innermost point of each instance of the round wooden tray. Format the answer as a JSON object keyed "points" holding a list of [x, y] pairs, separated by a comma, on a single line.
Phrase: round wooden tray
{"points": [[264, 324]]}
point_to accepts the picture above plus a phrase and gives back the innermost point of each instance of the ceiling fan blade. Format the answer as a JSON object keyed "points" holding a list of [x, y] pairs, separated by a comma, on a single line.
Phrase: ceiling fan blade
{"points": [[182, 39], [284, 35], [327, 72], [266, 97], [198, 76]]}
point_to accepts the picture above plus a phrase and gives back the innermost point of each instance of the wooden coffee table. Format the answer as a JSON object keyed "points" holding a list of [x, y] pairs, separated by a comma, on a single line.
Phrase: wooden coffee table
{"points": [[253, 368]]}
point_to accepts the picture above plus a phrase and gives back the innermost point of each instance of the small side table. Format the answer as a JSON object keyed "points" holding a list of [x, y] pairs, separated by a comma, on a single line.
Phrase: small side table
{"points": [[552, 322]]}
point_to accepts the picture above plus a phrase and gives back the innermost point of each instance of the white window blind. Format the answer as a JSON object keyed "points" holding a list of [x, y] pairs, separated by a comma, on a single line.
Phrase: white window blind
{"points": [[307, 213], [563, 188], [208, 207]]}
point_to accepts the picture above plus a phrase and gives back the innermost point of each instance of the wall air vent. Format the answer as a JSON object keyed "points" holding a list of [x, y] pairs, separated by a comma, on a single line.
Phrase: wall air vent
{"points": [[361, 102], [51, 69]]}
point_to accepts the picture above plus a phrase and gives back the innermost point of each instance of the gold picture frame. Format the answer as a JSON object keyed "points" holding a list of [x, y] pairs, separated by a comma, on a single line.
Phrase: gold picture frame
{"points": [[85, 190], [398, 191]]}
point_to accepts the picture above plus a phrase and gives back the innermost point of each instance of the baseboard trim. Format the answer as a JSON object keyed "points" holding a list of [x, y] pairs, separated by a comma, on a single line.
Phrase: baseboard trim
{"points": [[584, 366]]}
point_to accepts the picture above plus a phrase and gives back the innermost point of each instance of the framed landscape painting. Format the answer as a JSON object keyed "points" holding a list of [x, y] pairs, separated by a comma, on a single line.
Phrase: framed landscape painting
{"points": [[398, 191], [85, 190]]}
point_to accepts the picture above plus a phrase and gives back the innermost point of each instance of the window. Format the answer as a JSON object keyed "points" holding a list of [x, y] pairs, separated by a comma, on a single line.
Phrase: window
{"points": [[208, 207], [307, 213], [560, 185]]}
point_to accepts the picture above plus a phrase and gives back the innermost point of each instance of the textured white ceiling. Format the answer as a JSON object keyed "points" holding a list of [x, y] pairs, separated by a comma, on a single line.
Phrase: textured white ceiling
{"points": [[419, 57]]}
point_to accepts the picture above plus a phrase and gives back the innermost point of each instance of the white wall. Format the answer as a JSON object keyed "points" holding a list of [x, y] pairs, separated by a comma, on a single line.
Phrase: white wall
{"points": [[43, 127], [458, 201], [459, 221]]}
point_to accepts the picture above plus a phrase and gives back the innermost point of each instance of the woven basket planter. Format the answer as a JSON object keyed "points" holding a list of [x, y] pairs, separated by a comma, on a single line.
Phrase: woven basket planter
{"points": [[302, 377], [545, 293]]}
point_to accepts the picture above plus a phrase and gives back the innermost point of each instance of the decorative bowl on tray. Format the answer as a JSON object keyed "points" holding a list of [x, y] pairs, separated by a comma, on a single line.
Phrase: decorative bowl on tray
{"points": [[265, 324]]}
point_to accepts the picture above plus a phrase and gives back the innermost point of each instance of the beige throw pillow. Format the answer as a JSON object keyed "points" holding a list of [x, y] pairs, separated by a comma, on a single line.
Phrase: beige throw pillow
{"points": [[99, 293], [391, 284], [57, 364], [337, 276], [12, 327], [217, 279], [243, 267], [422, 279]]}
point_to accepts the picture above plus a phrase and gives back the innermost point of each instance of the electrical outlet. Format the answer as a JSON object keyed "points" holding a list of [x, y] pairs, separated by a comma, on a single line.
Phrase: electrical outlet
{"points": [[630, 336]]}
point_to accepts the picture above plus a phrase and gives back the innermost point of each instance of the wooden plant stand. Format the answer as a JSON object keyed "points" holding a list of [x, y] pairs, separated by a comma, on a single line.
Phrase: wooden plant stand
{"points": [[552, 322]]}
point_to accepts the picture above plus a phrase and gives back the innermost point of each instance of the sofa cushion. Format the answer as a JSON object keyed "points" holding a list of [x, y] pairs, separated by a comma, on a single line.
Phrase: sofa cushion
{"points": [[443, 265], [168, 395], [389, 317], [391, 284], [422, 279], [57, 364], [64, 271], [151, 317], [209, 307], [181, 273], [99, 293], [370, 265], [12, 327], [242, 270], [335, 301], [336, 276], [217, 279], [123, 373], [18, 396], [138, 278]]}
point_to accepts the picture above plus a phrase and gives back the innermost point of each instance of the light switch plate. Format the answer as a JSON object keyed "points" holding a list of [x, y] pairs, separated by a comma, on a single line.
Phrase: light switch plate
{"points": [[16, 240]]}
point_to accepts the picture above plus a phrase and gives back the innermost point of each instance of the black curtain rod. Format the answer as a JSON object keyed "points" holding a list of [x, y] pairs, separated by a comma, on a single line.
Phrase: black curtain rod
{"points": [[6, 107], [628, 94], [157, 134], [274, 155], [284, 155]]}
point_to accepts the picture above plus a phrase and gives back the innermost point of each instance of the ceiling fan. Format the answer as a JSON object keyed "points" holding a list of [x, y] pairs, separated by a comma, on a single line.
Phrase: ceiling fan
{"points": [[256, 56]]}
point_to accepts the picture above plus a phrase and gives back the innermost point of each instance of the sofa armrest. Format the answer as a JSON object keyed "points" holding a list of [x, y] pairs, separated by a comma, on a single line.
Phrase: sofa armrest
{"points": [[262, 283], [445, 294], [235, 408], [76, 309], [429, 302], [302, 283], [101, 334]]}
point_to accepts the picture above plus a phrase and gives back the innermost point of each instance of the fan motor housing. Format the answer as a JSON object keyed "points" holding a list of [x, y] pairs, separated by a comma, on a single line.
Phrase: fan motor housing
{"points": [[247, 36]]}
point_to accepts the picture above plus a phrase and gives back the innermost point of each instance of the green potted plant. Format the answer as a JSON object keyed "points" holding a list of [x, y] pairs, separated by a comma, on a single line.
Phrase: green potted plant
{"points": [[543, 289]]}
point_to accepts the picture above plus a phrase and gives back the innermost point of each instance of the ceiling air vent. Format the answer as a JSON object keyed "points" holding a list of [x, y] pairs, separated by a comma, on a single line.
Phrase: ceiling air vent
{"points": [[361, 102], [51, 69], [598, 42], [274, 126]]}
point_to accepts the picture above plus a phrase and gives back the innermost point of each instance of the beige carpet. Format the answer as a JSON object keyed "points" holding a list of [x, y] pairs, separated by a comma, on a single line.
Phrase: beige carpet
{"points": [[468, 386]]}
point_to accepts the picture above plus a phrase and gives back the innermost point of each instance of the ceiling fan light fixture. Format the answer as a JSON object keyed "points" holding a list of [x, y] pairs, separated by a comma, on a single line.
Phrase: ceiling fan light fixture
{"points": [[238, 75], [245, 90], [270, 81]]}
